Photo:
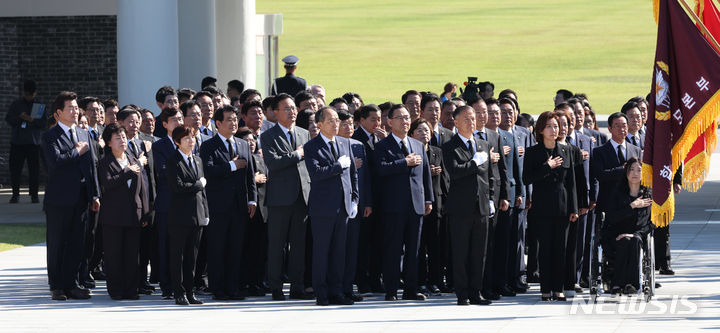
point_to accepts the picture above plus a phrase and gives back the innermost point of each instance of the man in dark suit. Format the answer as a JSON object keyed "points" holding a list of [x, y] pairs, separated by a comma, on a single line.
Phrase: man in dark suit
{"points": [[524, 139], [607, 165], [162, 150], [469, 205], [165, 97], [370, 247], [138, 149], [598, 137], [71, 187], [632, 111], [232, 199], [25, 141], [288, 187], [289, 84], [500, 188], [333, 199], [430, 106], [355, 224], [406, 195], [584, 142]]}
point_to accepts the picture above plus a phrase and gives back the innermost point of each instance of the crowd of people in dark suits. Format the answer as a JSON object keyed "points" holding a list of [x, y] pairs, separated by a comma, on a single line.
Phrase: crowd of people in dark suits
{"points": [[232, 195]]}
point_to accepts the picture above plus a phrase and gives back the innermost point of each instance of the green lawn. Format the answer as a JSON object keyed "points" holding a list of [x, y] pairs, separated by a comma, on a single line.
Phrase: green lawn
{"points": [[18, 235], [380, 48]]}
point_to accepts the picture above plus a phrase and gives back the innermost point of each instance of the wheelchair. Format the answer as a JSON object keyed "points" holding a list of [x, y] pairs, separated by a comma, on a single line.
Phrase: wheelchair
{"points": [[602, 267]]}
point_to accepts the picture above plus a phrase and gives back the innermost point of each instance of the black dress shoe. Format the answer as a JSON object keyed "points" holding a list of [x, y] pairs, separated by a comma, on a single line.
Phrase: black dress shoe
{"points": [[463, 301], [182, 300], [255, 291], [89, 284], [560, 298], [444, 288], [301, 295], [390, 297], [584, 284], [424, 290], [192, 300], [322, 302], [479, 300], [657, 285], [14, 199], [532, 278], [277, 295], [167, 294], [505, 291], [101, 276], [616, 290], [58, 295], [518, 289], [410, 296], [77, 293], [220, 297], [667, 271], [132, 297], [491, 295], [236, 297], [630, 289], [578, 289], [145, 286], [354, 297], [144, 291], [545, 298], [340, 300], [116, 297]]}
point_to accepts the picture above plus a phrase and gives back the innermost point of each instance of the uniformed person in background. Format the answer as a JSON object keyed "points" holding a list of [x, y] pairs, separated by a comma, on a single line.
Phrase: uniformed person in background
{"points": [[289, 84]]}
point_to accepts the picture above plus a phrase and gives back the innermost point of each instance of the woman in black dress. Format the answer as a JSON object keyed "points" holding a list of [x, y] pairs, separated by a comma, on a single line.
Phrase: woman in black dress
{"points": [[124, 206], [627, 224], [550, 168]]}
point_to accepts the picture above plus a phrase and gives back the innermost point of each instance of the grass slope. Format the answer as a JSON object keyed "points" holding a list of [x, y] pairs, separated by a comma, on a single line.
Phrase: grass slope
{"points": [[18, 235], [380, 48]]}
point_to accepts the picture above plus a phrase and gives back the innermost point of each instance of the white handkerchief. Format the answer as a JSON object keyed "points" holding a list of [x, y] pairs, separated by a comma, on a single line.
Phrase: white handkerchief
{"points": [[354, 211], [480, 157]]}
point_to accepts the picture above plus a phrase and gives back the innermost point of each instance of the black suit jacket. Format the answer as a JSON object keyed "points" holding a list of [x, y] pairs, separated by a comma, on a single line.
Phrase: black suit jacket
{"points": [[441, 182], [66, 168], [287, 174], [554, 190], [470, 184], [371, 172], [122, 205], [402, 186], [500, 184], [225, 186], [148, 170], [444, 135], [608, 171], [187, 194], [260, 167]]}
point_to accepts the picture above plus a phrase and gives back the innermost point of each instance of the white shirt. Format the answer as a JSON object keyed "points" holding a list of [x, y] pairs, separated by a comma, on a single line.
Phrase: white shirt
{"points": [[233, 167], [436, 132], [327, 143], [615, 147], [123, 165], [465, 140], [66, 129], [369, 135], [405, 140], [190, 163], [286, 131]]}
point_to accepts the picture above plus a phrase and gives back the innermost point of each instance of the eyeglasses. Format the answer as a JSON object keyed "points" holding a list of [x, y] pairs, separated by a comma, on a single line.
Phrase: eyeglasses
{"points": [[405, 118]]}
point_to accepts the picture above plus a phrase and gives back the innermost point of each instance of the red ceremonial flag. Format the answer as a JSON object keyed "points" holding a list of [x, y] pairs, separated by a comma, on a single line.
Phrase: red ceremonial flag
{"points": [[684, 103], [697, 162]]}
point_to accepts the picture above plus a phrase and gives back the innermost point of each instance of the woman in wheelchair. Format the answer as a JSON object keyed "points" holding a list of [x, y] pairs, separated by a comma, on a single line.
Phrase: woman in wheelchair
{"points": [[627, 225]]}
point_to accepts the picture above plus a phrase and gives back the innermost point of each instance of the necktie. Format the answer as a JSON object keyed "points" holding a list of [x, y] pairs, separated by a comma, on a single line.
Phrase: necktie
{"points": [[206, 131], [621, 156], [469, 146], [404, 148], [482, 135], [93, 133], [332, 148], [292, 139], [133, 148], [230, 149], [433, 140], [633, 141], [191, 164], [372, 138], [73, 139]]}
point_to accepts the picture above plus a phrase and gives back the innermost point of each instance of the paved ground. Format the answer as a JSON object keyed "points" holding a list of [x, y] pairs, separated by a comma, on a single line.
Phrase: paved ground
{"points": [[687, 301]]}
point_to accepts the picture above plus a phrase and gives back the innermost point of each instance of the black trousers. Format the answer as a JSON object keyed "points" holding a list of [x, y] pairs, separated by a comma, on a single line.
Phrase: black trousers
{"points": [[662, 247], [93, 239], [501, 252], [18, 155], [255, 251], [121, 247], [468, 239], [430, 254], [329, 242], [531, 239], [580, 243], [65, 239], [226, 234], [402, 230], [627, 262], [571, 254], [183, 242], [351, 252], [489, 269], [370, 252], [516, 250], [146, 248], [287, 224], [201, 261], [552, 236], [163, 255]]}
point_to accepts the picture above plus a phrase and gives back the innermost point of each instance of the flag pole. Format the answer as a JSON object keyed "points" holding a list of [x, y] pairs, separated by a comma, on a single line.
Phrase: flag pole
{"points": [[700, 24]]}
